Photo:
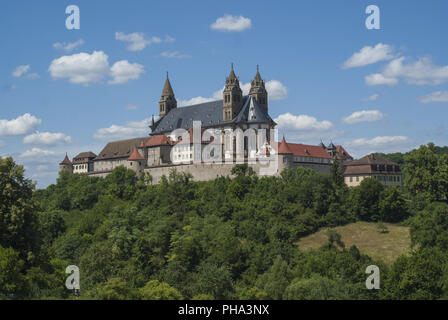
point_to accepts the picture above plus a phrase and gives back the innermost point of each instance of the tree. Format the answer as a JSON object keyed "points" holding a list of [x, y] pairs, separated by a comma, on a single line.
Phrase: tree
{"points": [[364, 199], [275, 281], [392, 205], [430, 227], [382, 227], [335, 238], [12, 282], [420, 170], [442, 176], [242, 170], [337, 176], [18, 218], [155, 290], [113, 289]]}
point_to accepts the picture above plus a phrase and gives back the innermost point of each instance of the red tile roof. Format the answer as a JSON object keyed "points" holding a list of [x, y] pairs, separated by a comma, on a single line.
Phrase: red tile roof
{"points": [[66, 160], [302, 150], [158, 140], [343, 154], [283, 147], [135, 156]]}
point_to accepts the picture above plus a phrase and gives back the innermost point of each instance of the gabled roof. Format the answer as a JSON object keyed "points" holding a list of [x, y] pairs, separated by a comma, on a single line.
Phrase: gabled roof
{"points": [[120, 149], [251, 112], [342, 153], [158, 140], [135, 156], [88, 154], [372, 159], [84, 157], [210, 114], [304, 150], [66, 160]]}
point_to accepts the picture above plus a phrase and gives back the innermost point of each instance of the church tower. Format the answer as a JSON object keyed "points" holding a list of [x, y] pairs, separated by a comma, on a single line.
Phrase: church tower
{"points": [[232, 97], [258, 91], [167, 101]]}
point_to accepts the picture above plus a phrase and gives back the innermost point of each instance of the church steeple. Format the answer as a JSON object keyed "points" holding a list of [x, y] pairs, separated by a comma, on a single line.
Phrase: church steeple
{"points": [[232, 97], [167, 100], [258, 91]]}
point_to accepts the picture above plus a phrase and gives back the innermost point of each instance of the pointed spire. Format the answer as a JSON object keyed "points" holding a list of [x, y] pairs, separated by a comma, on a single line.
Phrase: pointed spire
{"points": [[232, 73], [167, 89], [135, 155], [283, 147], [152, 120], [257, 75], [322, 144], [66, 160]]}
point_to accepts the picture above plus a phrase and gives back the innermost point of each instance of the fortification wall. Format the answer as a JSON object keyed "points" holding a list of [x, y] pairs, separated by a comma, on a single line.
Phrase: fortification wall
{"points": [[201, 171]]}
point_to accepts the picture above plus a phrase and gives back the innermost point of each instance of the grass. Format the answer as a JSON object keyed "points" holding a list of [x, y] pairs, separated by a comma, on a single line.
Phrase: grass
{"points": [[367, 237]]}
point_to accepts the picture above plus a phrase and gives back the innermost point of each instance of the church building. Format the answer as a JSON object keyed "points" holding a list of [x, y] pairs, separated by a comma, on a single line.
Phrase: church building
{"points": [[236, 129]]}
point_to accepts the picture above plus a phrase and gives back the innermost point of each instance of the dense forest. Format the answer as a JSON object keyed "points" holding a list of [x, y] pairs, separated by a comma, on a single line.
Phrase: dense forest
{"points": [[221, 239]]}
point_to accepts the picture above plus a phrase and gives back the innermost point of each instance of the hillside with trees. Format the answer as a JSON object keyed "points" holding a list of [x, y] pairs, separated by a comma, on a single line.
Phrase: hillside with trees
{"points": [[221, 239]]}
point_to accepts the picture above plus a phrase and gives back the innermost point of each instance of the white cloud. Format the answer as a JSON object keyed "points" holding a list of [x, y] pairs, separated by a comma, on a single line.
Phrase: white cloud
{"points": [[373, 97], [46, 138], [169, 39], [85, 68], [123, 71], [131, 107], [438, 96], [288, 121], [195, 100], [35, 154], [231, 23], [21, 125], [276, 90], [369, 55], [174, 54], [385, 144], [81, 68], [420, 72], [32, 76], [378, 79], [138, 41], [131, 129], [68, 47], [20, 71], [363, 116]]}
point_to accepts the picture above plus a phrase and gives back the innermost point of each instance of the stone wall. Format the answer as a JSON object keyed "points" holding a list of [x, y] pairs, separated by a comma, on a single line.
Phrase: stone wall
{"points": [[201, 171]]}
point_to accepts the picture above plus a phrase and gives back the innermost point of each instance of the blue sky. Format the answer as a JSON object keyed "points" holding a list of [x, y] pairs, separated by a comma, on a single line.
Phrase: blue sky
{"points": [[328, 76]]}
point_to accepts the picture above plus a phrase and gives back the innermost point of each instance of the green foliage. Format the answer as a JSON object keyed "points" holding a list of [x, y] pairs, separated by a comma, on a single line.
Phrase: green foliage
{"points": [[392, 205], [155, 290], [113, 289], [18, 211], [221, 239], [382, 228], [364, 200], [12, 281], [420, 169], [335, 238], [336, 173], [430, 227]]}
